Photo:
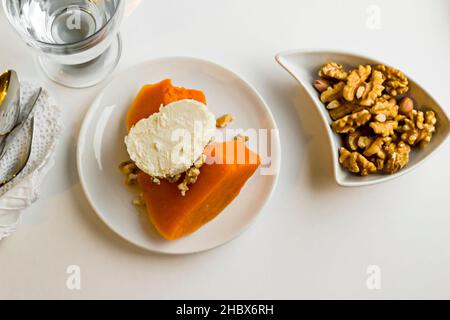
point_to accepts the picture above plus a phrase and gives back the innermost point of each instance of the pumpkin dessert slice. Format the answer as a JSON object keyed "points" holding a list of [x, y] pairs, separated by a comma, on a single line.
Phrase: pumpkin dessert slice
{"points": [[175, 215]]}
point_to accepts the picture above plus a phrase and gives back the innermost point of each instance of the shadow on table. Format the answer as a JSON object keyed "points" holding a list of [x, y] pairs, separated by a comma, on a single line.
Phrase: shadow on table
{"points": [[313, 145], [318, 148], [99, 228]]}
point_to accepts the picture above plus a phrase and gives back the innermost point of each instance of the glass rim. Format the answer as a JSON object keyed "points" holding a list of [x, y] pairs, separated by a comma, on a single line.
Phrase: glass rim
{"points": [[61, 45]]}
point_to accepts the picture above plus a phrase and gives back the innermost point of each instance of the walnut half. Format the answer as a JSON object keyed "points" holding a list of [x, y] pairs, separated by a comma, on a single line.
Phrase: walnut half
{"points": [[385, 129], [333, 70], [355, 162], [418, 127], [396, 81], [397, 156], [355, 79], [373, 89], [351, 122]]}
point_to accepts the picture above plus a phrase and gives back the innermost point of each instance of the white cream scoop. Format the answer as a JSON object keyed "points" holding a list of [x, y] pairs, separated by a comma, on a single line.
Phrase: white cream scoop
{"points": [[168, 142]]}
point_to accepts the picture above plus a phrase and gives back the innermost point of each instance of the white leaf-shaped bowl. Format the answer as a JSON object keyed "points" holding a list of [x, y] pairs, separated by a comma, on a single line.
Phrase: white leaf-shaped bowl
{"points": [[304, 66]]}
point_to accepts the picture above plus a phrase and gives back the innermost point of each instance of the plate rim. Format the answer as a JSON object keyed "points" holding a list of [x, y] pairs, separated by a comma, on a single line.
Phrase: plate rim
{"points": [[89, 114]]}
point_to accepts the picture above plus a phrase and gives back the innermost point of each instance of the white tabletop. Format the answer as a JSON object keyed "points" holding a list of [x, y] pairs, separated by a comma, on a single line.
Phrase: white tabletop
{"points": [[313, 239]]}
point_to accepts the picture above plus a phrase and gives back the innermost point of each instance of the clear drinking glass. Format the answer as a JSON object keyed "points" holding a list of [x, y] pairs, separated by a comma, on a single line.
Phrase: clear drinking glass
{"points": [[77, 41]]}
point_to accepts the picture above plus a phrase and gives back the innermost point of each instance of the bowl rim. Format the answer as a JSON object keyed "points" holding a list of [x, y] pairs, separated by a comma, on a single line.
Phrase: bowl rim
{"points": [[279, 57], [118, 8]]}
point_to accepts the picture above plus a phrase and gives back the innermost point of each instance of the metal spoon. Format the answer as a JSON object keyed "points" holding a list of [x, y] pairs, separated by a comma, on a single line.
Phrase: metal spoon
{"points": [[6, 142], [9, 101], [23, 160]]}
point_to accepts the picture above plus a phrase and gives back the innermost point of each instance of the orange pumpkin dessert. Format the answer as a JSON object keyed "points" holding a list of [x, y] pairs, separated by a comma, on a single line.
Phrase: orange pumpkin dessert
{"points": [[174, 215], [152, 96], [228, 166]]}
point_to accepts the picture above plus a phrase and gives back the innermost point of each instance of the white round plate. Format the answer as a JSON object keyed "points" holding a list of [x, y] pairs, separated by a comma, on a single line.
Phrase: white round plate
{"points": [[101, 149]]}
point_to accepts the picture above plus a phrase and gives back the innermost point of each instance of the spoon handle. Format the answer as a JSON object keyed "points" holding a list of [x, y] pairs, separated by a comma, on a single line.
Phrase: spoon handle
{"points": [[26, 111], [23, 119], [19, 169]]}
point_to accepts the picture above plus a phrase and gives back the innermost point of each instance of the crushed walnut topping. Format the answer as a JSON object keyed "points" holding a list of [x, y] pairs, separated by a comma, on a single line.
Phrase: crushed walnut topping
{"points": [[131, 172], [224, 120], [191, 175], [139, 201]]}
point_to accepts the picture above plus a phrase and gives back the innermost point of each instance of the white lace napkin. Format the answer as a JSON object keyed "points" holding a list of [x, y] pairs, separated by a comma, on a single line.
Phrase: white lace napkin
{"points": [[24, 189]]}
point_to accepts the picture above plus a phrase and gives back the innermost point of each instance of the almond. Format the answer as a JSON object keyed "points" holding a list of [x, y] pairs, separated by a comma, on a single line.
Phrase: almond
{"points": [[406, 105], [321, 85]]}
